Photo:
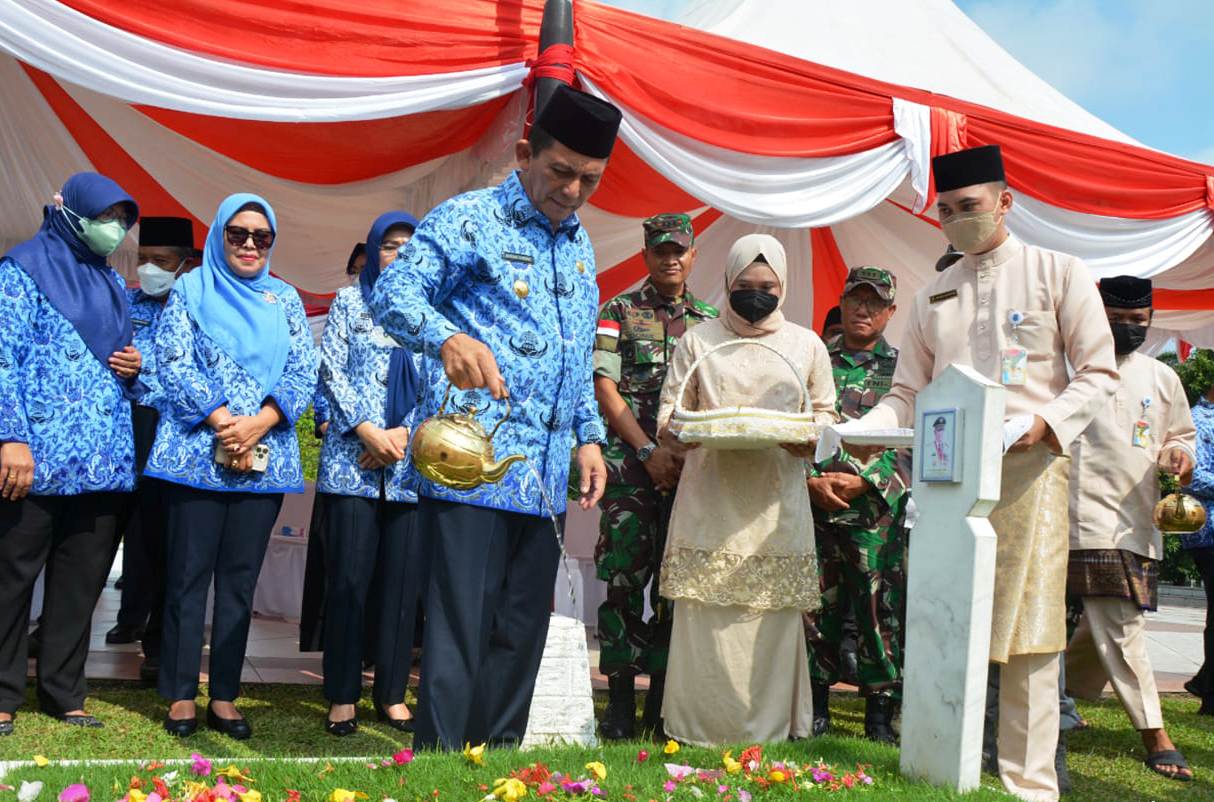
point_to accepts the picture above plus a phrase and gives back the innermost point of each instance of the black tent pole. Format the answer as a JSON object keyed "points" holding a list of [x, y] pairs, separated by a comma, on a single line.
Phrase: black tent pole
{"points": [[556, 28]]}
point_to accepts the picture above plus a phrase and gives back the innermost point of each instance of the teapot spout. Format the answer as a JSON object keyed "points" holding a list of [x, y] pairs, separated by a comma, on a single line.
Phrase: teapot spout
{"points": [[494, 471]]}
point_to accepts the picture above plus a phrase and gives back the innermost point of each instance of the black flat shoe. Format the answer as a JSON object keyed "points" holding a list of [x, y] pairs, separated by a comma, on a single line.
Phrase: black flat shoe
{"points": [[180, 727], [402, 724], [235, 728], [87, 721], [6, 728], [342, 728], [123, 634]]}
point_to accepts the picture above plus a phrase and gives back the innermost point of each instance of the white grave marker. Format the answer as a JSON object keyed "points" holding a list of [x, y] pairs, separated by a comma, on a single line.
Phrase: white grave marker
{"points": [[950, 577]]}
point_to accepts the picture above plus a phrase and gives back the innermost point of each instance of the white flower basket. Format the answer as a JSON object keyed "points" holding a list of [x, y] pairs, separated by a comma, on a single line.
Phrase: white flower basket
{"points": [[743, 428]]}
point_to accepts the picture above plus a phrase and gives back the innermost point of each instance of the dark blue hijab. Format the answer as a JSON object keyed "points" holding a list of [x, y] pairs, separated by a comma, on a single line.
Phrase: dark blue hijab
{"points": [[76, 281], [402, 374]]}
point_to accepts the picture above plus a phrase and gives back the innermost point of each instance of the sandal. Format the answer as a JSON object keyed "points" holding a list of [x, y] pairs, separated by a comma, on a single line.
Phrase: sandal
{"points": [[1169, 757]]}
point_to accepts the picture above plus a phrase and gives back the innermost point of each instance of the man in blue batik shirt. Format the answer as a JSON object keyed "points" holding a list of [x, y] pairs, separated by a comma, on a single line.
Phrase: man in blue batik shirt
{"points": [[499, 286], [166, 252]]}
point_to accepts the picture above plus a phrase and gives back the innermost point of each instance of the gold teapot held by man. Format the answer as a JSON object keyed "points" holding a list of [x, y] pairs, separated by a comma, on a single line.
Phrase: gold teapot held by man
{"points": [[1179, 513], [453, 449]]}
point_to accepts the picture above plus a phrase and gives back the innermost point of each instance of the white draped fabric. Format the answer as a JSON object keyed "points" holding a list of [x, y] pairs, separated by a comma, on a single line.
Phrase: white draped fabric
{"points": [[85, 52]]}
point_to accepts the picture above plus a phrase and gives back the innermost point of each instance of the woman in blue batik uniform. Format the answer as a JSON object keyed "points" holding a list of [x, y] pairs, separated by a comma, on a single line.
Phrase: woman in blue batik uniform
{"points": [[370, 384], [237, 367], [67, 376]]}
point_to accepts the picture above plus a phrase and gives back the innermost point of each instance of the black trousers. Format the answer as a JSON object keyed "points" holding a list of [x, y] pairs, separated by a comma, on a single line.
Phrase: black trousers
{"points": [[487, 614], [73, 536], [143, 563], [220, 537], [376, 567], [1204, 559]]}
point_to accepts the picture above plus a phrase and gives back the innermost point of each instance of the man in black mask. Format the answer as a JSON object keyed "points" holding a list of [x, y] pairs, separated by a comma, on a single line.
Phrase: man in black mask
{"points": [[1113, 573]]}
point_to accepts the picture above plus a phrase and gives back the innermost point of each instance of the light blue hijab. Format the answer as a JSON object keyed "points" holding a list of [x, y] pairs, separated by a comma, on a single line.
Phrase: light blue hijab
{"points": [[244, 316]]}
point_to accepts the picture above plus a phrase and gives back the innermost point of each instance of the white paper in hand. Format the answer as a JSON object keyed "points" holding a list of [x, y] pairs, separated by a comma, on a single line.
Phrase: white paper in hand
{"points": [[1014, 429], [832, 438]]}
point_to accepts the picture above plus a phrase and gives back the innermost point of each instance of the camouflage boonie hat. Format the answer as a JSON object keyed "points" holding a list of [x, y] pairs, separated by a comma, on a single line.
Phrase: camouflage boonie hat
{"points": [[878, 278], [669, 228]]}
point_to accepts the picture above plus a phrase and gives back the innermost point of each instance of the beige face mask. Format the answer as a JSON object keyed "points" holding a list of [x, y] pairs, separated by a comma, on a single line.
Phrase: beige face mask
{"points": [[969, 231]]}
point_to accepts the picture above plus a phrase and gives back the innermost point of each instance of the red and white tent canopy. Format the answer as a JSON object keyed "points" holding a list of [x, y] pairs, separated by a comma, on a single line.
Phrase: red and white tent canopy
{"points": [[816, 122]]}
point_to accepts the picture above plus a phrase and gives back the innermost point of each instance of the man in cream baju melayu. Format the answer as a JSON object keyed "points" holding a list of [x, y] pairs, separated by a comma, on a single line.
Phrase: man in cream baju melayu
{"points": [[1016, 314]]}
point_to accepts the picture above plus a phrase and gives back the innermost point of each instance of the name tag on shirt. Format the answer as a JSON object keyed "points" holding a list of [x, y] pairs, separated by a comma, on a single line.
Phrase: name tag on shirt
{"points": [[139, 324], [511, 256], [942, 296]]}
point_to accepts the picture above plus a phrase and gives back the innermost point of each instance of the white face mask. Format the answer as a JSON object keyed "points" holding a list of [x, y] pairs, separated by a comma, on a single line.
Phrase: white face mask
{"points": [[156, 281]]}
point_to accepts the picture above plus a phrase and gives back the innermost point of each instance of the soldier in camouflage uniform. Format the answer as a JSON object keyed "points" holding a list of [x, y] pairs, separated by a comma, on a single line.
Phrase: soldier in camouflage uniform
{"points": [[637, 335], [858, 519]]}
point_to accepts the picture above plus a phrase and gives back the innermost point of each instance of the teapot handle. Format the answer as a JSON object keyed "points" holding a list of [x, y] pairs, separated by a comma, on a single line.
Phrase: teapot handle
{"points": [[505, 418]]}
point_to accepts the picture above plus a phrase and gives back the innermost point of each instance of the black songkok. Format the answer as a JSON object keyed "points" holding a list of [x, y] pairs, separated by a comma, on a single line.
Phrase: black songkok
{"points": [[166, 232], [833, 318], [580, 122], [1126, 292], [965, 168]]}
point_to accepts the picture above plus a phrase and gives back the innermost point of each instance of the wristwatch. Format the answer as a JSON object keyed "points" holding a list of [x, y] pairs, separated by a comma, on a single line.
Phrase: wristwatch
{"points": [[646, 451]]}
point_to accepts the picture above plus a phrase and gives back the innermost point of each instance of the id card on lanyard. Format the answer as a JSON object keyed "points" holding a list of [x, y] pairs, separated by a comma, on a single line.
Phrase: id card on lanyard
{"points": [[1014, 360], [1141, 437]]}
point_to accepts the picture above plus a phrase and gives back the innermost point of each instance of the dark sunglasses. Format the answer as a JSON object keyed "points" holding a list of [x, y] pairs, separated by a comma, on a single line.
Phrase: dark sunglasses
{"points": [[238, 236]]}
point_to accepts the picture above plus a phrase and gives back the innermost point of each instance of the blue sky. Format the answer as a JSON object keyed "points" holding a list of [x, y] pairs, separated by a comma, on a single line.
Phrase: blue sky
{"points": [[1145, 67]]}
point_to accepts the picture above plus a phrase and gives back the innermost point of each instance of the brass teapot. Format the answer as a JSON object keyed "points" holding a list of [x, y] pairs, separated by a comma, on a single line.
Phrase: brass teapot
{"points": [[1179, 514], [453, 449]]}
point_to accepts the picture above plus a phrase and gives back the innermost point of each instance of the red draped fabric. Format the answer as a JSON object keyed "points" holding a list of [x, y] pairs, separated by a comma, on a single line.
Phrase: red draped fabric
{"points": [[830, 273]]}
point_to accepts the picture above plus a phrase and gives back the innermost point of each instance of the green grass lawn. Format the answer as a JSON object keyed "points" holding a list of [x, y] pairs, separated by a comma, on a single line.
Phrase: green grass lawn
{"points": [[1105, 761]]}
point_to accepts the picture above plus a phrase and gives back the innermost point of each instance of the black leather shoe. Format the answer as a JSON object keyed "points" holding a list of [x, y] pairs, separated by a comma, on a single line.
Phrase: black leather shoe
{"points": [[879, 719], [619, 720], [402, 724], [149, 671], [6, 728], [821, 697], [342, 728], [86, 721], [121, 633], [180, 727], [235, 728]]}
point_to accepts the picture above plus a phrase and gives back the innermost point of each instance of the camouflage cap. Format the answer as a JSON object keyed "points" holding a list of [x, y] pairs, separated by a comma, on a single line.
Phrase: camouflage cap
{"points": [[669, 228], [878, 278]]}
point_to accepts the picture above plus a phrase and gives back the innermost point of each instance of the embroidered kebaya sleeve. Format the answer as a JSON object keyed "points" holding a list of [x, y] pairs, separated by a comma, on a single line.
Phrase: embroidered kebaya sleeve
{"points": [[297, 384], [191, 392]]}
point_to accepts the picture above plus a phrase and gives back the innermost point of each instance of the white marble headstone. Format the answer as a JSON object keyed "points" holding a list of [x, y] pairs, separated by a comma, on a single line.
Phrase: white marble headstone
{"points": [[562, 708], [950, 580]]}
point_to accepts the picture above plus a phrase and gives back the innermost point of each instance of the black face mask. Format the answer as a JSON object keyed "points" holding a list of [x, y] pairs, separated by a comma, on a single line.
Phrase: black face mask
{"points": [[753, 305], [1128, 337]]}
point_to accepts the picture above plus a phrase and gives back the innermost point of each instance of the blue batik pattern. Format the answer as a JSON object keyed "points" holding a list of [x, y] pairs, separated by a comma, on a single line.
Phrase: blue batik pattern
{"points": [[198, 377], [488, 264], [56, 397], [1203, 475], [354, 357], [145, 317]]}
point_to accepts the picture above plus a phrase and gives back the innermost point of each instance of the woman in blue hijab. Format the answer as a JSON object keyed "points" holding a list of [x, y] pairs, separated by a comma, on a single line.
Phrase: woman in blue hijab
{"points": [[68, 372], [237, 368], [373, 566]]}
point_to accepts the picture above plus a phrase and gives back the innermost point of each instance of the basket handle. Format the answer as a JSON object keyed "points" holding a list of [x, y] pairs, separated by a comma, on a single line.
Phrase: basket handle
{"points": [[678, 402]]}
